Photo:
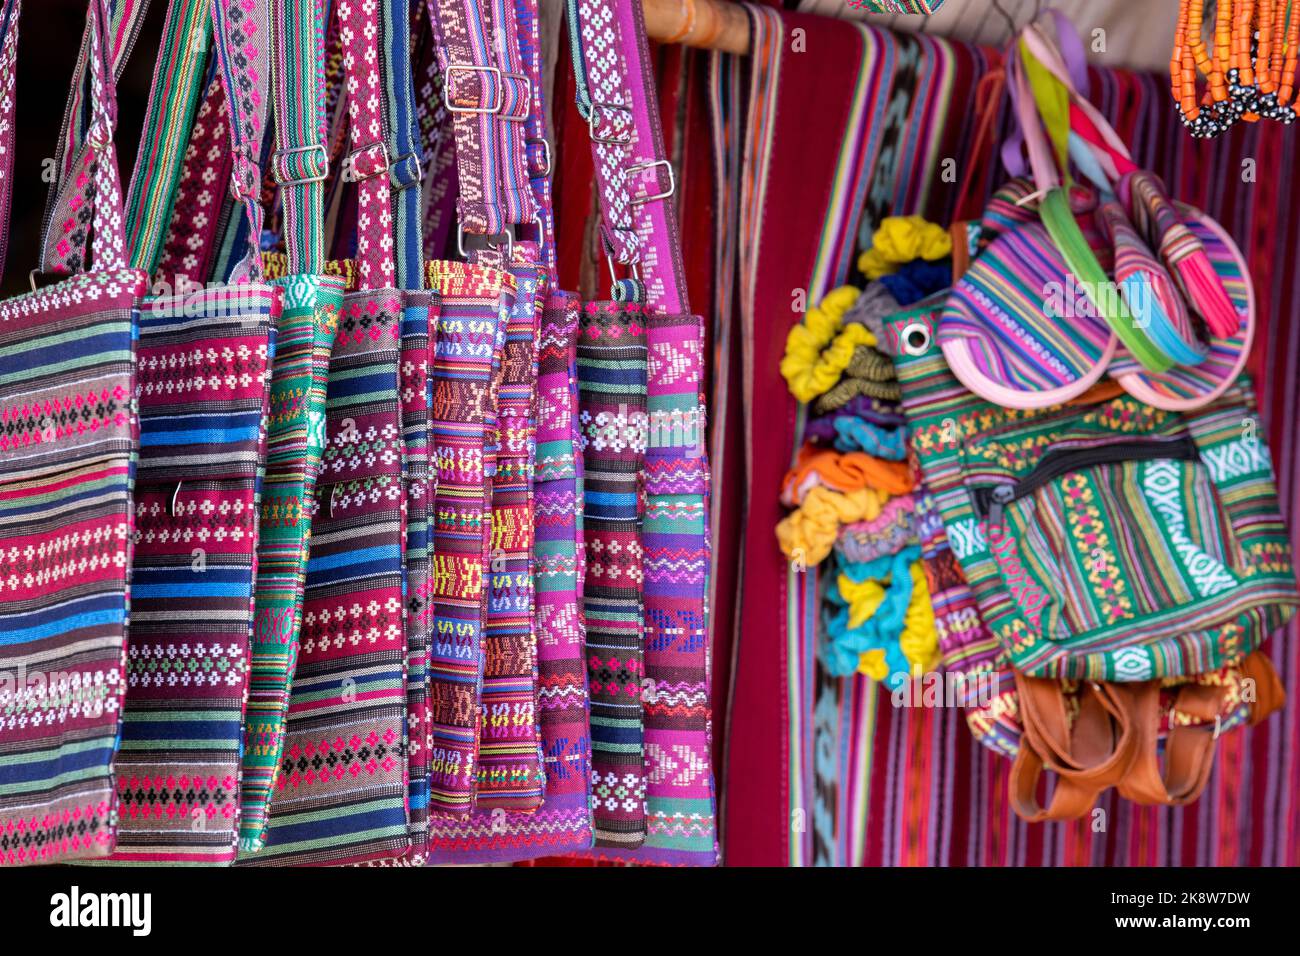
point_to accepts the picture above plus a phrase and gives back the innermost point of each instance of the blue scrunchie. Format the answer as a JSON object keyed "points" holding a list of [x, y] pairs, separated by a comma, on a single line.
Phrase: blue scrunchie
{"points": [[855, 434], [844, 646], [917, 279]]}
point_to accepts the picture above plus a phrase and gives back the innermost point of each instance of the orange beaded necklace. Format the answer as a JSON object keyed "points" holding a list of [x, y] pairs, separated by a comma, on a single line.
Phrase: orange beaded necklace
{"points": [[1250, 70]]}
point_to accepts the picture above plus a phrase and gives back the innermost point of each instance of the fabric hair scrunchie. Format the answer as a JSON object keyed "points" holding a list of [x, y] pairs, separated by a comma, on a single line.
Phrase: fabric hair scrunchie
{"points": [[874, 410], [855, 434], [809, 533], [901, 239], [915, 280], [874, 305], [888, 533], [843, 471], [864, 616], [870, 373], [819, 348]]}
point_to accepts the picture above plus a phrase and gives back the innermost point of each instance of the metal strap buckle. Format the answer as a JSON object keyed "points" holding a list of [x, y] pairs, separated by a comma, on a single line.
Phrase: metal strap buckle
{"points": [[546, 157], [638, 167], [407, 163], [613, 108], [526, 100], [452, 68], [505, 233], [317, 158], [350, 173], [541, 227]]}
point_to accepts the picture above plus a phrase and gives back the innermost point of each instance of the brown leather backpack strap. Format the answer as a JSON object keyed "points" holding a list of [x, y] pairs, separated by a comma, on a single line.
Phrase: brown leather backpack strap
{"points": [[1189, 749], [1069, 800], [1090, 757], [960, 249]]}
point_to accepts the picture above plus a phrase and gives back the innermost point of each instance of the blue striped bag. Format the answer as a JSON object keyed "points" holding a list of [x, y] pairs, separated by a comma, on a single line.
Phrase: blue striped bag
{"points": [[204, 390]]}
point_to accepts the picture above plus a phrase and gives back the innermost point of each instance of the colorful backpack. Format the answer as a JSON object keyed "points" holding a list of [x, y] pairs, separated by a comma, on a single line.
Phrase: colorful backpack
{"points": [[1107, 542]]}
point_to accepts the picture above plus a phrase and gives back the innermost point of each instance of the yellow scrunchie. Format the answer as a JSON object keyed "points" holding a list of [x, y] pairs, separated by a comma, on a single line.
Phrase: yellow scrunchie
{"points": [[810, 531], [901, 239], [872, 663], [863, 598], [920, 638], [819, 348]]}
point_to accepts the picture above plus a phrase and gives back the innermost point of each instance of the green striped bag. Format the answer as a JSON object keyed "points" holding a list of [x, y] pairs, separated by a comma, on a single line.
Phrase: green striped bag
{"points": [[1108, 540]]}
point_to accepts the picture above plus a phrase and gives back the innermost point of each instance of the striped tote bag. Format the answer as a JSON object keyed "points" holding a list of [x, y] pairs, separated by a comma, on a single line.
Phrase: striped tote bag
{"points": [[296, 442], [475, 308], [67, 464], [204, 376], [341, 792], [204, 391], [531, 785], [613, 435], [563, 821]]}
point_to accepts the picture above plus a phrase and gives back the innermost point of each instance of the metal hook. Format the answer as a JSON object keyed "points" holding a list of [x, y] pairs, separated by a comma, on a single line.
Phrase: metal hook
{"points": [[1011, 23]]}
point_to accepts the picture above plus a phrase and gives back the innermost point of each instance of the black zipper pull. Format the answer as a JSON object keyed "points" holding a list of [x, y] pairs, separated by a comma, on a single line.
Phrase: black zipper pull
{"points": [[1001, 496]]}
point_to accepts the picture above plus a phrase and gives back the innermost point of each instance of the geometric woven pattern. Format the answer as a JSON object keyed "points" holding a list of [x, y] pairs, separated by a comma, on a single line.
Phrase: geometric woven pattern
{"points": [[67, 457], [203, 379]]}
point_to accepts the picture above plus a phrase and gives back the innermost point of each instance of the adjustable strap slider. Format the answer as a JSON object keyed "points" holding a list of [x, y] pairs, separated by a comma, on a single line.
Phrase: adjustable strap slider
{"points": [[299, 165], [634, 173], [538, 168], [610, 124], [516, 98], [470, 88], [366, 162], [406, 171]]}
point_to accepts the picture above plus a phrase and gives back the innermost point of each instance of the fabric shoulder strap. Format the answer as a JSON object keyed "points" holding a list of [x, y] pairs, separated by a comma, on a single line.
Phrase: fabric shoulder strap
{"points": [[367, 163], [241, 28], [95, 162], [169, 117], [300, 162], [125, 19], [537, 150], [635, 180]]}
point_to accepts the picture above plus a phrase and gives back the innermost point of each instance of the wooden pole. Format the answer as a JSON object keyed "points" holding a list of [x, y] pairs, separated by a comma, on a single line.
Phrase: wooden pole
{"points": [[708, 24]]}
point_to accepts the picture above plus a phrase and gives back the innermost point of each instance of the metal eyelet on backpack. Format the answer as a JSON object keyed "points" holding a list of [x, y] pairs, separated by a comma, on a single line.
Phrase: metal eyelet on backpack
{"points": [[915, 338]]}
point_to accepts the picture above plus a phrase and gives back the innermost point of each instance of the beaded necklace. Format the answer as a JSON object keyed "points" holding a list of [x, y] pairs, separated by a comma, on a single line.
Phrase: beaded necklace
{"points": [[1249, 69]]}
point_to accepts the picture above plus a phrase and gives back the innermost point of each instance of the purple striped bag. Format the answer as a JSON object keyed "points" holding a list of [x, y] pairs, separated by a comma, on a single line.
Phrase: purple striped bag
{"points": [[563, 821]]}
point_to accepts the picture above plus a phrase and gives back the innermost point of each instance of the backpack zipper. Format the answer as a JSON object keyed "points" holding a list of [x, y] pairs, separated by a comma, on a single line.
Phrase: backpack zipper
{"points": [[992, 500]]}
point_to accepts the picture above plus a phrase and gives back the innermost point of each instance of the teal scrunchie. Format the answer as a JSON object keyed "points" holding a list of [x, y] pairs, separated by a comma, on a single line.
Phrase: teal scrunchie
{"points": [[844, 646], [856, 434]]}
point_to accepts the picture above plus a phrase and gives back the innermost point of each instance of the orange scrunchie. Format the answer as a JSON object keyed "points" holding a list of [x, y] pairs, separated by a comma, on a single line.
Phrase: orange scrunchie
{"points": [[843, 471]]}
